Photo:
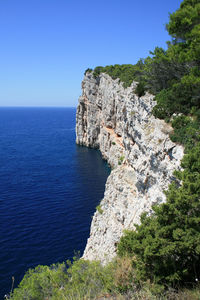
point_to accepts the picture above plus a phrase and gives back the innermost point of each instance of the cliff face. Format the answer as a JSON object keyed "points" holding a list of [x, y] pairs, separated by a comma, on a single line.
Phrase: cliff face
{"points": [[139, 150]]}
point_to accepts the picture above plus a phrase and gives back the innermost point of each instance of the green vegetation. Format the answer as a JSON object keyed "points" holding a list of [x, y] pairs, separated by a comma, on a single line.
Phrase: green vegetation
{"points": [[174, 75], [140, 89], [186, 130], [83, 280], [80, 280], [88, 71], [121, 159], [99, 209], [126, 73], [161, 258]]}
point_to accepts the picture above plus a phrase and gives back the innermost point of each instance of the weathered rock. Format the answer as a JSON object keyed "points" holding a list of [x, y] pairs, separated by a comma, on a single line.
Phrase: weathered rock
{"points": [[139, 150]]}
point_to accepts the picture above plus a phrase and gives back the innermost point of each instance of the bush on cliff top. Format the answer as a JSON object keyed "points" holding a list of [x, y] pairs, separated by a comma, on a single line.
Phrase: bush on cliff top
{"points": [[126, 73]]}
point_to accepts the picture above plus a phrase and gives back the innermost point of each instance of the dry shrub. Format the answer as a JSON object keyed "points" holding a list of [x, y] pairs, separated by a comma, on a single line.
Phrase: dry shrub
{"points": [[124, 274], [185, 294]]}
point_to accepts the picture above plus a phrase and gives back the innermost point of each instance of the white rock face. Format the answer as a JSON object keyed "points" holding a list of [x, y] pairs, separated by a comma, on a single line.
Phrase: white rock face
{"points": [[139, 150]]}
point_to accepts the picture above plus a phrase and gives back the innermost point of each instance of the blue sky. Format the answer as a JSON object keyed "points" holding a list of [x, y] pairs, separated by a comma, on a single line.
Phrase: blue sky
{"points": [[46, 45]]}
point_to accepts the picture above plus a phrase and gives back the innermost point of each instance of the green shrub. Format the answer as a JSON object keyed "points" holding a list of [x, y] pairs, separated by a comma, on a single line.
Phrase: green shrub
{"points": [[121, 159], [42, 282], [97, 71], [140, 89], [126, 73], [179, 98], [99, 209], [87, 71], [78, 280], [186, 131]]}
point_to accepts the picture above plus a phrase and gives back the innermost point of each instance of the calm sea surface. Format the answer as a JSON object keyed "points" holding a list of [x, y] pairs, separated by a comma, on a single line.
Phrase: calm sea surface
{"points": [[49, 188]]}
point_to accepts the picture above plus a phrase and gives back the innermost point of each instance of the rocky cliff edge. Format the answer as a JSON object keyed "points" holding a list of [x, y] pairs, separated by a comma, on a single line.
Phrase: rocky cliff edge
{"points": [[137, 147]]}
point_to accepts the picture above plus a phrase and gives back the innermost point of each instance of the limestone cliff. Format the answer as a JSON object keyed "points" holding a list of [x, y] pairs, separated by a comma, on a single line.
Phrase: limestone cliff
{"points": [[139, 150]]}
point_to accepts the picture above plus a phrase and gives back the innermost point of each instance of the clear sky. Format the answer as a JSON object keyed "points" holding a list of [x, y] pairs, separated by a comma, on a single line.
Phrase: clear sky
{"points": [[46, 45]]}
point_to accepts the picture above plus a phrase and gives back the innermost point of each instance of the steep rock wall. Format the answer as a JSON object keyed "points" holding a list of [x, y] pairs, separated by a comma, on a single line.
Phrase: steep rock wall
{"points": [[139, 150]]}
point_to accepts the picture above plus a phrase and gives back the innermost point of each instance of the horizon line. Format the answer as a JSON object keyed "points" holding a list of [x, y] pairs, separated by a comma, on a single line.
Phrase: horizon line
{"points": [[36, 106]]}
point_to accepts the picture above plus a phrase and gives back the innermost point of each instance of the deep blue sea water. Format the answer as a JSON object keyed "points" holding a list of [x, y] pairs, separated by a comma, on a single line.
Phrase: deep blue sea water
{"points": [[49, 188]]}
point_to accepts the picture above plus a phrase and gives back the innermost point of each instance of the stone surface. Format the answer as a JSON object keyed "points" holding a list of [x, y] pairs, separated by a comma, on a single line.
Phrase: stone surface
{"points": [[137, 147]]}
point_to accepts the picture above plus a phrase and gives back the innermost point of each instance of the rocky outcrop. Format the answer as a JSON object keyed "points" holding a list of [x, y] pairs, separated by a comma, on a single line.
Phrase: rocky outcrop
{"points": [[137, 147]]}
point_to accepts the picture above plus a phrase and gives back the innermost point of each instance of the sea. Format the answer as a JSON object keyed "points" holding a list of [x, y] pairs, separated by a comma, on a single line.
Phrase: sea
{"points": [[49, 189]]}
